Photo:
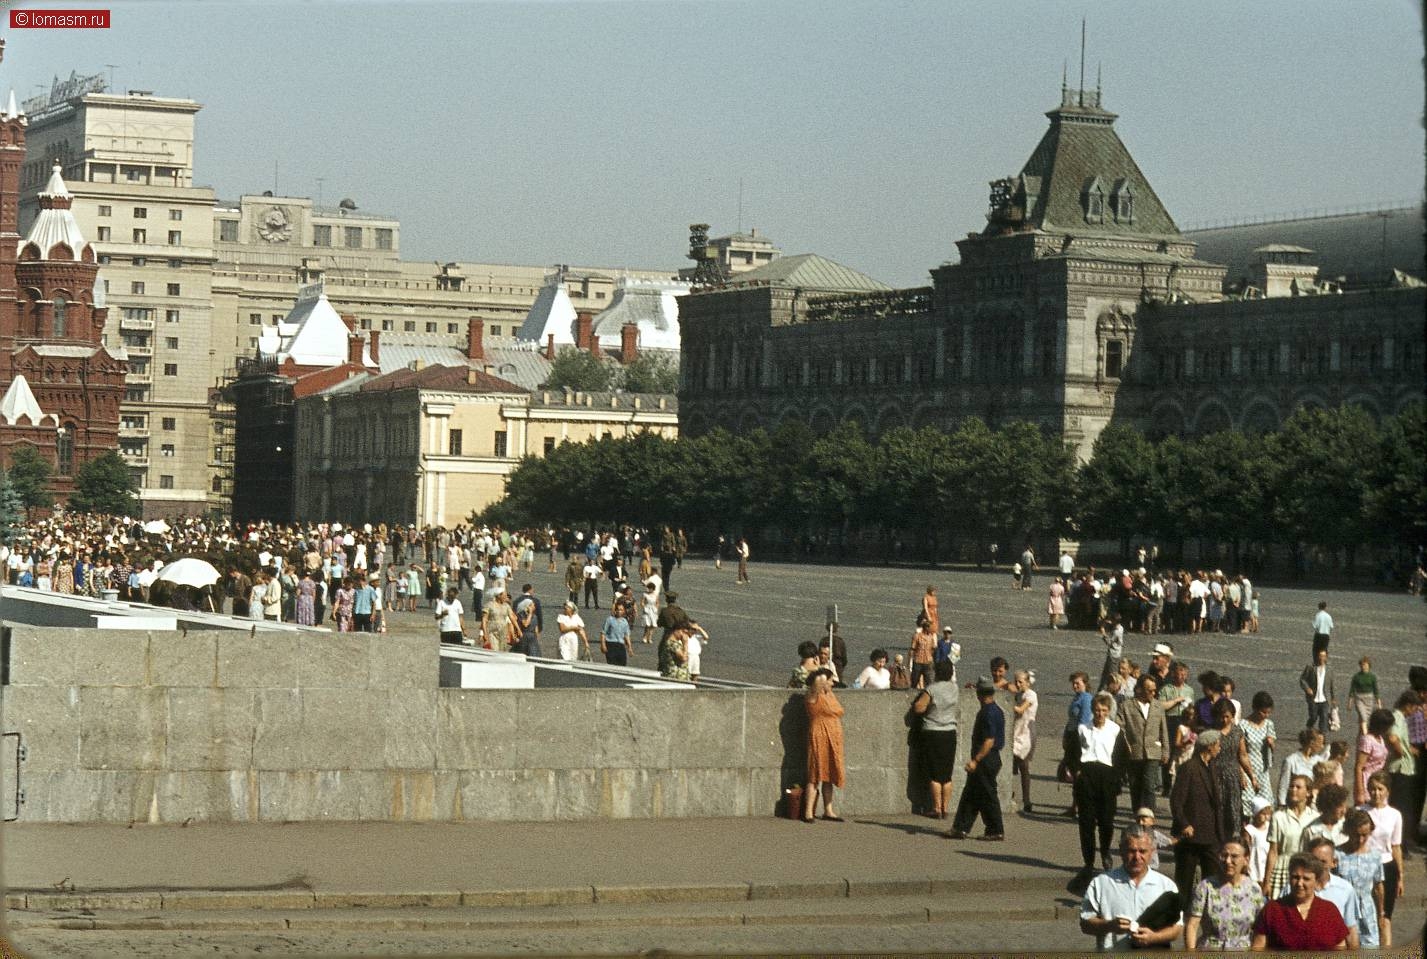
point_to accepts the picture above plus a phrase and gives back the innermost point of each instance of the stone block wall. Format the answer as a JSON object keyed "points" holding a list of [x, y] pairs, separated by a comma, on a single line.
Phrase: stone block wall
{"points": [[220, 726]]}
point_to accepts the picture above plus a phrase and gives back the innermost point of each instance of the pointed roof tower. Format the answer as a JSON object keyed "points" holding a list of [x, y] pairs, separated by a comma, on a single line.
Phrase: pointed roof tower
{"points": [[55, 225], [20, 401], [1081, 180], [551, 313]]}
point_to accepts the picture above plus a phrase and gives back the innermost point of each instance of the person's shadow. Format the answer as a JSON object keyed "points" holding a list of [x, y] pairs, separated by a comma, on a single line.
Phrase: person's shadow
{"points": [[793, 731]]}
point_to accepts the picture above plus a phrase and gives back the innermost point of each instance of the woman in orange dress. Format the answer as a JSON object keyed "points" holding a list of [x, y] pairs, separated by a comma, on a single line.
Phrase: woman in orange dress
{"points": [[825, 763], [930, 611]]}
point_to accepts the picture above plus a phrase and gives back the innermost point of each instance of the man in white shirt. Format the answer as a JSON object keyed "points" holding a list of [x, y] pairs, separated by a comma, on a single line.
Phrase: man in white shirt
{"points": [[1067, 565], [449, 616], [1322, 629], [1116, 900], [1336, 890]]}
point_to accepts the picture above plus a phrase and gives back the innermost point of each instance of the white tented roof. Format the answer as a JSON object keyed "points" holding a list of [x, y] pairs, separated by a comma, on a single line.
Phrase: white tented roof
{"points": [[54, 225], [20, 401], [552, 312], [313, 334], [651, 305]]}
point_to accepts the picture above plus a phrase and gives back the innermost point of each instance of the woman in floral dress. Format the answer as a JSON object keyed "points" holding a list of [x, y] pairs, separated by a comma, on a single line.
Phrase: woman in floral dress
{"points": [[1223, 908], [1361, 865], [64, 575], [1260, 738], [306, 596], [342, 607]]}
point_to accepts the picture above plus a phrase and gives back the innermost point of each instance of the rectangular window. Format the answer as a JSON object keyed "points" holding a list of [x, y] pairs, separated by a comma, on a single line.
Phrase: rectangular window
{"points": [[141, 213], [277, 317], [175, 214], [495, 331], [321, 236], [1114, 358], [549, 444], [165, 481], [175, 264], [141, 236], [106, 210], [175, 238], [135, 175], [228, 231], [409, 326], [255, 319], [167, 450], [500, 443], [173, 289], [430, 327], [352, 237], [170, 316], [104, 233], [136, 287], [386, 325], [455, 441], [105, 259], [170, 369], [170, 342], [140, 261], [383, 239], [452, 328]]}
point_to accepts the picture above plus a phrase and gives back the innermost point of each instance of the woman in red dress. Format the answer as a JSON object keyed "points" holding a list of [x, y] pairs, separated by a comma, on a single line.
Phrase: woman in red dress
{"points": [[825, 763], [1301, 920]]}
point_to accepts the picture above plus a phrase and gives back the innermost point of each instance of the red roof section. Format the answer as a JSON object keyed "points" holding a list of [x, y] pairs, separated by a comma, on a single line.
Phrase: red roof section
{"points": [[456, 379]]}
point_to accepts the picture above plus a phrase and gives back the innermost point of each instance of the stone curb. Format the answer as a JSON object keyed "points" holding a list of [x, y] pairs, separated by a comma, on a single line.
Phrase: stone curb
{"points": [[322, 920], [189, 900]]}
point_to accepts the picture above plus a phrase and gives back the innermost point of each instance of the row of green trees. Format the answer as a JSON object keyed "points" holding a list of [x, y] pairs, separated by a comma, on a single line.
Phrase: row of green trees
{"points": [[1329, 478], [648, 372], [102, 485]]}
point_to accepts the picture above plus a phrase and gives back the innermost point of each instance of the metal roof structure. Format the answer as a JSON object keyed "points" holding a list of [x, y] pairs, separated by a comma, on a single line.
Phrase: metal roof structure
{"points": [[55, 223], [807, 271]]}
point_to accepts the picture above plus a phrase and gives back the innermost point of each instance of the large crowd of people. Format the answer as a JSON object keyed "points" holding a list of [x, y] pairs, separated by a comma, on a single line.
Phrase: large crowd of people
{"points": [[1306, 853]]}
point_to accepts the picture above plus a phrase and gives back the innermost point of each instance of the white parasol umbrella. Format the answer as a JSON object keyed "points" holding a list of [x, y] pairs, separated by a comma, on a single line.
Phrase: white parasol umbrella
{"points": [[190, 571], [156, 526]]}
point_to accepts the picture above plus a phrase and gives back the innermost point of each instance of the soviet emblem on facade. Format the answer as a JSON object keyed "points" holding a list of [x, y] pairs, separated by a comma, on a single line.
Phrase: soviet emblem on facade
{"points": [[274, 226]]}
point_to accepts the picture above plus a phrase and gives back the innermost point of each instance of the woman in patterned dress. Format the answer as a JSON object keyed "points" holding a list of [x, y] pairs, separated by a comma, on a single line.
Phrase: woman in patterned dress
{"points": [[306, 596], [1260, 737], [342, 606], [1230, 768], [64, 574], [1223, 908], [1361, 865]]}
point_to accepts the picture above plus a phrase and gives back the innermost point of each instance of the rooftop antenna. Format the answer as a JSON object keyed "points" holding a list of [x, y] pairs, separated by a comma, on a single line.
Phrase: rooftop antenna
{"points": [[740, 206], [111, 67], [1082, 61], [1097, 83], [1064, 73]]}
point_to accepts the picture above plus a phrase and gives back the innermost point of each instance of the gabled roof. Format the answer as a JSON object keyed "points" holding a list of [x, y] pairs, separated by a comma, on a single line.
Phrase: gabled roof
{"points": [[20, 401], [312, 334], [651, 306], [552, 312], [525, 367], [1080, 147], [807, 271], [458, 379]]}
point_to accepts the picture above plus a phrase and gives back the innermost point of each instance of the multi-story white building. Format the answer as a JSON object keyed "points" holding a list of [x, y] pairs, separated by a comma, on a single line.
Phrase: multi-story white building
{"points": [[192, 279]]}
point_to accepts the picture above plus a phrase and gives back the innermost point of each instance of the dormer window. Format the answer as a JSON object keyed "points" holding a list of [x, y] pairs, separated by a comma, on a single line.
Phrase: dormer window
{"points": [[1123, 199], [1094, 201]]}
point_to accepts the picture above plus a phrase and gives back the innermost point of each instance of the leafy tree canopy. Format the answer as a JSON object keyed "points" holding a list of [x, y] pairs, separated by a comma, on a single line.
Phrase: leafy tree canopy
{"points": [[30, 475], [580, 370], [105, 485]]}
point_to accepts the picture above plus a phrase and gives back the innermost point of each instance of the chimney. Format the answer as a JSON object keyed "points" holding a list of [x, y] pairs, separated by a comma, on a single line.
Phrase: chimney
{"points": [[350, 319], [584, 331], [628, 342], [354, 348], [475, 336], [376, 346], [471, 376], [550, 347]]}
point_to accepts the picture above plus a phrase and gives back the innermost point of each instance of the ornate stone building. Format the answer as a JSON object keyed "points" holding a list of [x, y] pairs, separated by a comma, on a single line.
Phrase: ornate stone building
{"points": [[1079, 302], [61, 386]]}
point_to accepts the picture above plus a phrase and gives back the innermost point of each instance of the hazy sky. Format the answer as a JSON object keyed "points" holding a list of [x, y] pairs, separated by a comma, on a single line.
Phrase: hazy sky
{"points": [[595, 132]]}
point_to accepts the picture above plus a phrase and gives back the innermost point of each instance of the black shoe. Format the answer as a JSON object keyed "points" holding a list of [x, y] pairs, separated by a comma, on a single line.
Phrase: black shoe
{"points": [[994, 837], [956, 834]]}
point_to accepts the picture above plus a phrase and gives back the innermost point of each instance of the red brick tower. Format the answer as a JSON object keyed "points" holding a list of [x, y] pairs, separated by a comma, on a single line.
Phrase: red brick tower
{"points": [[60, 388]]}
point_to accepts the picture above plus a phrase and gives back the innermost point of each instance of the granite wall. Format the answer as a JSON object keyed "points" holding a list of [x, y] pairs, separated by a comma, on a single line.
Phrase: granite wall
{"points": [[122, 726]]}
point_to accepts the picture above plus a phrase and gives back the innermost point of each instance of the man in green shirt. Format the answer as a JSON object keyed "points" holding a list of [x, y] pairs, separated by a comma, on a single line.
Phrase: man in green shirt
{"points": [[1177, 696]]}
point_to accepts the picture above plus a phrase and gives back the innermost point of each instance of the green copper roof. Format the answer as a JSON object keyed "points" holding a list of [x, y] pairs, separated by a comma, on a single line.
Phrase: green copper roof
{"points": [[1081, 148], [807, 271]]}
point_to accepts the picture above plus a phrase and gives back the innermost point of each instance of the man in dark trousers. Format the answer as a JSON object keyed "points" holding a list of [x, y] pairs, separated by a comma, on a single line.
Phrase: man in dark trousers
{"points": [[1147, 737], [988, 737], [1194, 803]]}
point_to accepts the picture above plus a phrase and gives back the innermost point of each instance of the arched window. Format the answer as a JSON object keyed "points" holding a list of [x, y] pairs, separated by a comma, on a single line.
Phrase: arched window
{"points": [[64, 450], [61, 317]]}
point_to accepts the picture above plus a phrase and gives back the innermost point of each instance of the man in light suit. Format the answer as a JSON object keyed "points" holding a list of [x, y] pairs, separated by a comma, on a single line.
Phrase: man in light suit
{"points": [[1147, 736]]}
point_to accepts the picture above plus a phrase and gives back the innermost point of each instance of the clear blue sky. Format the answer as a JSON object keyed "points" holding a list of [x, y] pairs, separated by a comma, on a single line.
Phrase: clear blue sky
{"points": [[595, 132]]}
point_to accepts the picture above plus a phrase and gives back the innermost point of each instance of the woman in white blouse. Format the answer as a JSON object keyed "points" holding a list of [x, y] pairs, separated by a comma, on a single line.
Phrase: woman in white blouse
{"points": [[876, 675], [1097, 788]]}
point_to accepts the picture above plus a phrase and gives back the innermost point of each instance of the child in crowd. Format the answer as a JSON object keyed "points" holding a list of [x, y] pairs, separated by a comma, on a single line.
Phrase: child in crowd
{"points": [[901, 676], [1015, 575], [1256, 835], [1162, 840], [1254, 612]]}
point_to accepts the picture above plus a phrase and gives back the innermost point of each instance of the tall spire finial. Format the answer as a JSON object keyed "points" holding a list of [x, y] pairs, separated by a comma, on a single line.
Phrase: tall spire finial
{"points": [[1064, 74], [1082, 61], [1097, 83]]}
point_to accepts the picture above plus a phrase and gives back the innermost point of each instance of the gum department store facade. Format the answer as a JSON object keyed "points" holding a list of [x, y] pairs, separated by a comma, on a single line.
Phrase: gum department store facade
{"points": [[1080, 303]]}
